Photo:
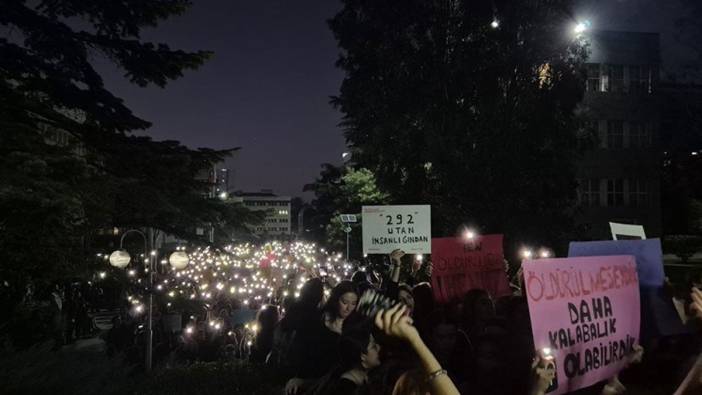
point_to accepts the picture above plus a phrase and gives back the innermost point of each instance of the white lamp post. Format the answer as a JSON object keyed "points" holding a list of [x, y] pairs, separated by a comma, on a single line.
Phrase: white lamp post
{"points": [[120, 259], [348, 219], [120, 255], [179, 260]]}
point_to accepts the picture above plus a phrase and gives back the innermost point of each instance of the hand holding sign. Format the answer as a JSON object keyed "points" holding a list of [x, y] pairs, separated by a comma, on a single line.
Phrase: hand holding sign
{"points": [[636, 355], [387, 228], [586, 310], [613, 387], [544, 373]]}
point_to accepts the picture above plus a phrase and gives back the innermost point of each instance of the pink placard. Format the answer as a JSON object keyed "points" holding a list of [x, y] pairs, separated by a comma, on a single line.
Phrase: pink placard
{"points": [[461, 265], [586, 310]]}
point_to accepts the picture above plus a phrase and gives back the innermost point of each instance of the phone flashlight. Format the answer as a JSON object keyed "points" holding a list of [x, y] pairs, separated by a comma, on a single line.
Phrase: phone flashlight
{"points": [[550, 364]]}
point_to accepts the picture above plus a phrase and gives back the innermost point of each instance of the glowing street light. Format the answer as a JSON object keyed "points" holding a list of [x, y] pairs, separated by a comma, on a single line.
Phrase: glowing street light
{"points": [[120, 259], [495, 23], [120, 256], [527, 253], [581, 27], [545, 253], [179, 260]]}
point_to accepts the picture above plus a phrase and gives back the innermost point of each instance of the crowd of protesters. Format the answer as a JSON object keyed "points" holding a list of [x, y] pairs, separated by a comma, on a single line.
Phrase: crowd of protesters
{"points": [[325, 343]]}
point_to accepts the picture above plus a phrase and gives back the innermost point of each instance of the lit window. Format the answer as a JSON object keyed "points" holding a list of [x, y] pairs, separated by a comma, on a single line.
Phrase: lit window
{"points": [[593, 77], [639, 79], [604, 79]]}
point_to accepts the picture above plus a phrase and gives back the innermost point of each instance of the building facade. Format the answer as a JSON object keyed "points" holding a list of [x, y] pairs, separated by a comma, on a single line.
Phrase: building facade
{"points": [[620, 178], [277, 222], [221, 181]]}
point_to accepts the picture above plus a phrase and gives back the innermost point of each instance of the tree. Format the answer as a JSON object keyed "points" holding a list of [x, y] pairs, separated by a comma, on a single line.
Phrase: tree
{"points": [[68, 164], [476, 121], [342, 190], [326, 189]]}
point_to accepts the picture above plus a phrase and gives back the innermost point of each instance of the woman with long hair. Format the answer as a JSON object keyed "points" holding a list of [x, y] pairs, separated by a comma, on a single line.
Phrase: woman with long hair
{"points": [[266, 320], [358, 354], [314, 348]]}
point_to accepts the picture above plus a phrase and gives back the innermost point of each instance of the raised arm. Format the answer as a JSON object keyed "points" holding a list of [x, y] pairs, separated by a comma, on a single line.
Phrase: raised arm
{"points": [[395, 323]]}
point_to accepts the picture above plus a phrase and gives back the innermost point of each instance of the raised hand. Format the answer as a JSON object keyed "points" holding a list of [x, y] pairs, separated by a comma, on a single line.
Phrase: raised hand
{"points": [[294, 386], [696, 305], [396, 255], [544, 373], [636, 354], [394, 322]]}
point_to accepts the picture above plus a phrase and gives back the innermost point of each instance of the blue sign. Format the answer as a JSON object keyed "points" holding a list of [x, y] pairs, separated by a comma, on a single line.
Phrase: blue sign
{"points": [[658, 315], [648, 253]]}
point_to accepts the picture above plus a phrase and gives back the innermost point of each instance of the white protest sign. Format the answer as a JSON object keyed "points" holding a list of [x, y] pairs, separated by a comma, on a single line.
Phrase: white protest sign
{"points": [[627, 231], [387, 228]]}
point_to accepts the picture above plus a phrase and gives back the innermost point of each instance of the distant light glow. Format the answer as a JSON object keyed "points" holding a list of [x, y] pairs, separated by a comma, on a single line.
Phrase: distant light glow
{"points": [[581, 27], [495, 24], [469, 235]]}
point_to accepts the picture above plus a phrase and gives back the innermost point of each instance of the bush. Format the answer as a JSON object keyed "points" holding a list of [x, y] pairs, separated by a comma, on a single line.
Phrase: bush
{"points": [[38, 370], [28, 325], [212, 378]]}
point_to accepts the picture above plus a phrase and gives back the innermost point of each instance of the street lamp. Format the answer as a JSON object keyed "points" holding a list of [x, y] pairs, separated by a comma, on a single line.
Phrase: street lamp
{"points": [[179, 260], [120, 259], [149, 260], [581, 27], [495, 23], [348, 219], [527, 253]]}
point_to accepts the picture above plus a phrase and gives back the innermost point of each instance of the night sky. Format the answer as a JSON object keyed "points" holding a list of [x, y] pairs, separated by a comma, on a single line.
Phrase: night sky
{"points": [[267, 88]]}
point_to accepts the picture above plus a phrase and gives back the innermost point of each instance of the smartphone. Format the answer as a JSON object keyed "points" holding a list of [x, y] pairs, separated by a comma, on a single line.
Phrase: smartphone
{"points": [[549, 362], [371, 302]]}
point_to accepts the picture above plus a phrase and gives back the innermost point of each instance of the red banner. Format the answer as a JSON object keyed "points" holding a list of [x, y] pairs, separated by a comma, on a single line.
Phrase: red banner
{"points": [[461, 265]]}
